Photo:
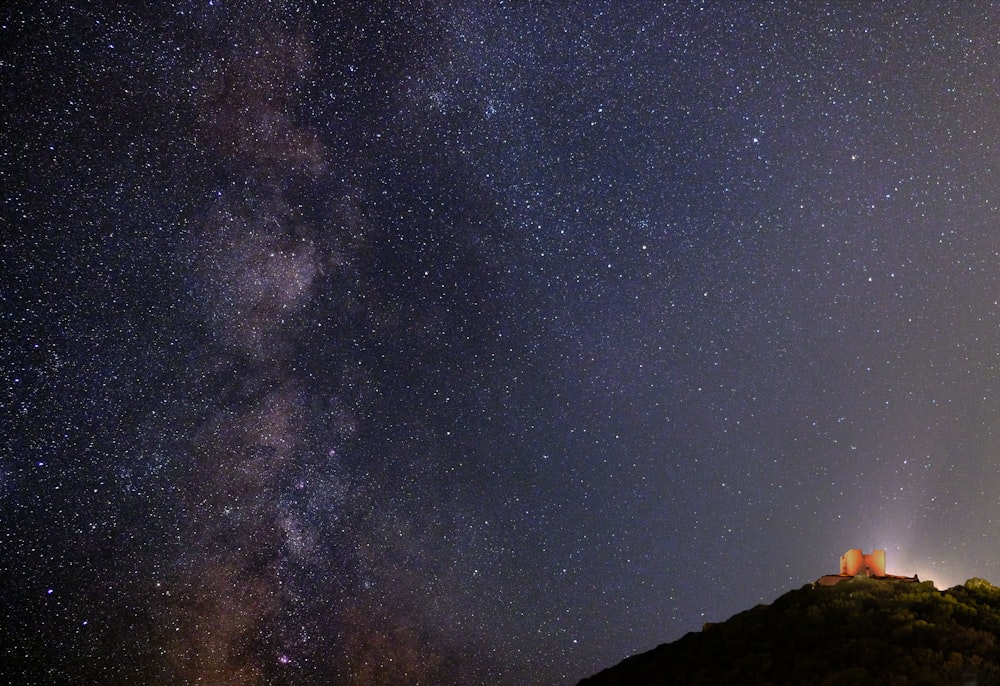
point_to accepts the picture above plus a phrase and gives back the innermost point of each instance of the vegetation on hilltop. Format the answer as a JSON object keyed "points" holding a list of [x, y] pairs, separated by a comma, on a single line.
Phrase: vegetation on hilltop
{"points": [[859, 631]]}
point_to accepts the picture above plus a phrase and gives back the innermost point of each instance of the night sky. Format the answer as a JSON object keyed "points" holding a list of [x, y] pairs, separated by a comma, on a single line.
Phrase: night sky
{"points": [[482, 342]]}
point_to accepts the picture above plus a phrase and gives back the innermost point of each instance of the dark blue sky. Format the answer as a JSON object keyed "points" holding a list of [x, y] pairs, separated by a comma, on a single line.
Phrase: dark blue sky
{"points": [[482, 342]]}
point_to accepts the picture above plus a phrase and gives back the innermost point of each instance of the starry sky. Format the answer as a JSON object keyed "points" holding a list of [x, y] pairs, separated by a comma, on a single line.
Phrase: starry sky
{"points": [[482, 342]]}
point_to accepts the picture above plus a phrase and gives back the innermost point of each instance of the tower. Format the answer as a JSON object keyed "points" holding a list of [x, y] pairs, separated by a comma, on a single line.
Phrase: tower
{"points": [[856, 563]]}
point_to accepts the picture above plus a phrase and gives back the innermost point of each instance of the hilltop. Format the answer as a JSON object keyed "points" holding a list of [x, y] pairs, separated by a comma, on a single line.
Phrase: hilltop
{"points": [[858, 631]]}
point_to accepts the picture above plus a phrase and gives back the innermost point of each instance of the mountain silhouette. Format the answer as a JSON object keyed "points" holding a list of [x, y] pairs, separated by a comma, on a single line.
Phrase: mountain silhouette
{"points": [[858, 631]]}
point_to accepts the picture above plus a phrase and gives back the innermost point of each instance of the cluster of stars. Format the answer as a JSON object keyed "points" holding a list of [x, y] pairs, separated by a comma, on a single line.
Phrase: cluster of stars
{"points": [[489, 344]]}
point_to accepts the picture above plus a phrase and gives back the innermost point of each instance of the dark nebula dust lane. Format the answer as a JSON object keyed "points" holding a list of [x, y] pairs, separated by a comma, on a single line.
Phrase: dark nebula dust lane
{"points": [[481, 343]]}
